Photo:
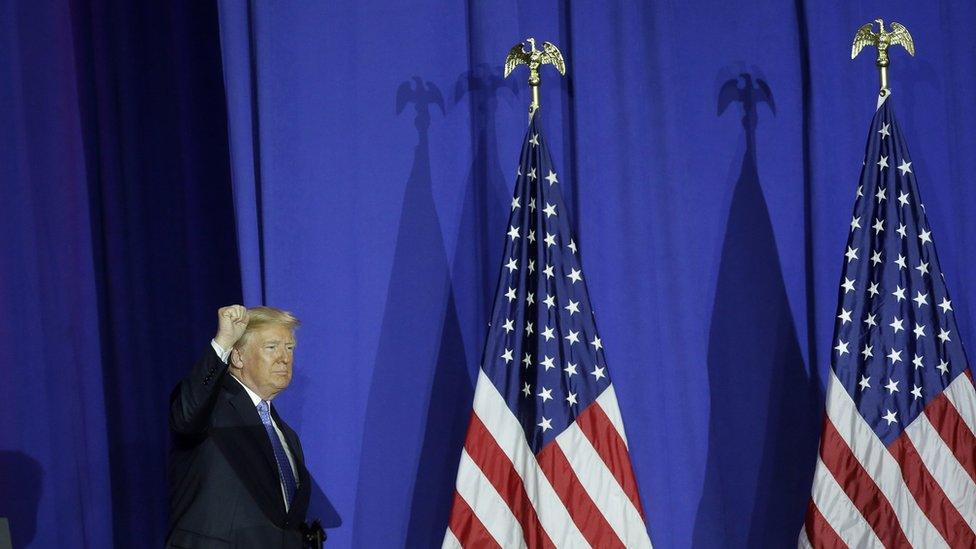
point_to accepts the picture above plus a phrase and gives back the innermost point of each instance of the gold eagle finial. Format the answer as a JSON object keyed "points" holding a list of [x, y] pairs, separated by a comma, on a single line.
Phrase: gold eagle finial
{"points": [[882, 40], [534, 59]]}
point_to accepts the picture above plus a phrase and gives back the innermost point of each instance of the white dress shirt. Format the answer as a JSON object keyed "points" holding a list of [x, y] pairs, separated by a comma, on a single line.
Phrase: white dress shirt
{"points": [[256, 399]]}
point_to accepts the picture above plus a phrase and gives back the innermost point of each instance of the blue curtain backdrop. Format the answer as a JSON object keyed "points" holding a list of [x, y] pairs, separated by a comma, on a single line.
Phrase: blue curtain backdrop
{"points": [[711, 226]]}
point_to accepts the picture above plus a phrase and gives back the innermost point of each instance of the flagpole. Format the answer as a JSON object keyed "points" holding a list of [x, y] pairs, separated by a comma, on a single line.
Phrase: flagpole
{"points": [[882, 40], [534, 59]]}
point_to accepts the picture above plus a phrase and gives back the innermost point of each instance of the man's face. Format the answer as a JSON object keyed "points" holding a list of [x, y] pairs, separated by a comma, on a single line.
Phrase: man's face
{"points": [[265, 360]]}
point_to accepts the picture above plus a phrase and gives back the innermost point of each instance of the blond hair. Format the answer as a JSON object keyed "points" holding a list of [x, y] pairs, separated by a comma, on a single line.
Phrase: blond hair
{"points": [[261, 317]]}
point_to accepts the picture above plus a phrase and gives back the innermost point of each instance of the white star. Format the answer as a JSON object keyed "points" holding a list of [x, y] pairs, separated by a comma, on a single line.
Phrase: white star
{"points": [[873, 289], [860, 191], [916, 392], [894, 356], [890, 417], [919, 330], [880, 195], [548, 271], [851, 253], [510, 294], [883, 163], [550, 240], [903, 198], [546, 424], [530, 298], [946, 305], [507, 355], [923, 269], [573, 307], [513, 232], [900, 262], [570, 369], [512, 265], [527, 360], [531, 236], [546, 394], [841, 347], [549, 210], [848, 285], [547, 362], [598, 373], [534, 140], [532, 202], [855, 223], [878, 226], [528, 328], [864, 383], [551, 178], [574, 275], [884, 131], [596, 343], [531, 266], [550, 301], [921, 299], [896, 324], [876, 257], [917, 361], [515, 203], [944, 335], [868, 352], [573, 337], [905, 167], [925, 236], [943, 367], [572, 245], [526, 390], [844, 316], [892, 386], [508, 327], [901, 230], [870, 320], [547, 333], [518, 171], [532, 174], [571, 399], [899, 293]]}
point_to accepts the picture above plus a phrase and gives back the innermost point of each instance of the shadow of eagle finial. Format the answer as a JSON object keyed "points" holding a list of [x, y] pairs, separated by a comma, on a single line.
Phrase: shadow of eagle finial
{"points": [[747, 94], [421, 95]]}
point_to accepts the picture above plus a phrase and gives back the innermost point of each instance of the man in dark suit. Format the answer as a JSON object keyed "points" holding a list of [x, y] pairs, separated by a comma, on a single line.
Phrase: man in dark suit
{"points": [[237, 473]]}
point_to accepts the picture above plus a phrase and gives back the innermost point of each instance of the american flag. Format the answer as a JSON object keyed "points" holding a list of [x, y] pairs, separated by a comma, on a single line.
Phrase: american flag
{"points": [[545, 462], [897, 463]]}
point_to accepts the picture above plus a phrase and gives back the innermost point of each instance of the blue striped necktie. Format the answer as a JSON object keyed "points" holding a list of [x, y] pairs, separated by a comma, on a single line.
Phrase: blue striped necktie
{"points": [[285, 473]]}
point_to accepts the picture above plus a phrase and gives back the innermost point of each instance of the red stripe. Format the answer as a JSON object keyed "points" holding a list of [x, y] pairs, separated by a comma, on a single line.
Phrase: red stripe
{"points": [[498, 469], [470, 531], [929, 495], [607, 442], [954, 431], [587, 516], [860, 487], [819, 531]]}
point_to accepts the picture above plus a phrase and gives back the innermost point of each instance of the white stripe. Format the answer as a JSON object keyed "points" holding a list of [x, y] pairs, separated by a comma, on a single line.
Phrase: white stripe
{"points": [[608, 401], [451, 541], [880, 464], [492, 410], [487, 504], [803, 542], [943, 466], [963, 397], [603, 488], [839, 511]]}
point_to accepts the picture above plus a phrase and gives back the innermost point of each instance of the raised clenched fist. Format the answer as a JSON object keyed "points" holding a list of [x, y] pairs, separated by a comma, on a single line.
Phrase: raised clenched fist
{"points": [[231, 323]]}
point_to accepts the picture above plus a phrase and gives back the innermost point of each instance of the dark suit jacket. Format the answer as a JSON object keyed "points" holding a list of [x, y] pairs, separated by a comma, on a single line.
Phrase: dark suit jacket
{"points": [[223, 479]]}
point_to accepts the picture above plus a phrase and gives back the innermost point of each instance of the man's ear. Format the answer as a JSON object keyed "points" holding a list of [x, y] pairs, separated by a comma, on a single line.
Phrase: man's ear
{"points": [[236, 358]]}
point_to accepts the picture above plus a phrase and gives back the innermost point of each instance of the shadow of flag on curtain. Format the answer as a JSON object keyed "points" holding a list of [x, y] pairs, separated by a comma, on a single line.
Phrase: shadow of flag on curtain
{"points": [[897, 456], [545, 460]]}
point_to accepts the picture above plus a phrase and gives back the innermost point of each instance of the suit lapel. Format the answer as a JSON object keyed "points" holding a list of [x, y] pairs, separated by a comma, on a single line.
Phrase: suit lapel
{"points": [[300, 503]]}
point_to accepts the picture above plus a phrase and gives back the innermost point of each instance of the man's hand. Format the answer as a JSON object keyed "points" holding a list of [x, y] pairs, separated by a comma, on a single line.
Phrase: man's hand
{"points": [[231, 323]]}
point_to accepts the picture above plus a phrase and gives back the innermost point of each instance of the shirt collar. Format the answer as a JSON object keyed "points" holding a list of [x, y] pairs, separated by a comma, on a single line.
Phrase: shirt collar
{"points": [[254, 396]]}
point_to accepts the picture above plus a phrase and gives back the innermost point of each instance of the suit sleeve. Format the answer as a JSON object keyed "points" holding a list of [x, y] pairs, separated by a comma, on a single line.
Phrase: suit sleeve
{"points": [[193, 399]]}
